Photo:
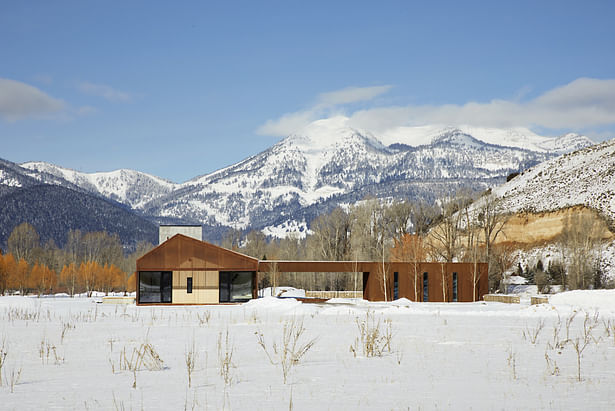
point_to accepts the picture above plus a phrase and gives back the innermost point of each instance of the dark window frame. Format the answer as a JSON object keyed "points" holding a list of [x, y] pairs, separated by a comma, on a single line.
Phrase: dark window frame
{"points": [[455, 288], [425, 287], [189, 285], [395, 285], [156, 287], [227, 287]]}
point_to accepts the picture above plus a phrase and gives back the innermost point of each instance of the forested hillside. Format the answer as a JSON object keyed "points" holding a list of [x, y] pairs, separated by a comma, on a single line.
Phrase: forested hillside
{"points": [[54, 210]]}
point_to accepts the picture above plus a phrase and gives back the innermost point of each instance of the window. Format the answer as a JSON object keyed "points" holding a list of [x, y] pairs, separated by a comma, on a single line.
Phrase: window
{"points": [[155, 286], [189, 285], [425, 287], [455, 287], [235, 286], [395, 285]]}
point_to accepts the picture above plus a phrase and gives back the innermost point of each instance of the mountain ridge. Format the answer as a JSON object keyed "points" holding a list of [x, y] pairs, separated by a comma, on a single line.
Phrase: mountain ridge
{"points": [[315, 169]]}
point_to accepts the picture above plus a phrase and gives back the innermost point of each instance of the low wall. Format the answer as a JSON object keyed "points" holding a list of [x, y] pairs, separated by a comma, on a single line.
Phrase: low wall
{"points": [[502, 298], [334, 294], [539, 300]]}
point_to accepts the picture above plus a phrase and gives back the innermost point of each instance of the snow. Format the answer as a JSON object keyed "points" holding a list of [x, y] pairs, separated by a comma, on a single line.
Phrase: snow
{"points": [[326, 159], [281, 292], [293, 228], [518, 137], [600, 300], [443, 356], [7, 180], [585, 177], [119, 185]]}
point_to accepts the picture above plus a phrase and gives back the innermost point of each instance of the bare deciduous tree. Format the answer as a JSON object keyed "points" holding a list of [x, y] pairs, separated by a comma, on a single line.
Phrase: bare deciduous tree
{"points": [[578, 240], [23, 242]]}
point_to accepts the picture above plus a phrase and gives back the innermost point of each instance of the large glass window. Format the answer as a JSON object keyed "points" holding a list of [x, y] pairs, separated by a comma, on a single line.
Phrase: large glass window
{"points": [[425, 287], [155, 286], [235, 286]]}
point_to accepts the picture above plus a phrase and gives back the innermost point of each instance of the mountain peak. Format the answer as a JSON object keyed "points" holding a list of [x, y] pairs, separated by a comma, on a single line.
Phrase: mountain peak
{"points": [[456, 137], [322, 134]]}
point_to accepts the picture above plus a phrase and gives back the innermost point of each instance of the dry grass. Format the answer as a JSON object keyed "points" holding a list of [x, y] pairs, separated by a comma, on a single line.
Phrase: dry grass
{"points": [[3, 354], [144, 357], [191, 358], [225, 358], [374, 337], [290, 350]]}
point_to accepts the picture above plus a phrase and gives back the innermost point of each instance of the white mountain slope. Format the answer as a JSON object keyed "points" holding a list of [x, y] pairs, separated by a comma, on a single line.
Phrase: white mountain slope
{"points": [[129, 187], [323, 165], [514, 137], [328, 163], [584, 177]]}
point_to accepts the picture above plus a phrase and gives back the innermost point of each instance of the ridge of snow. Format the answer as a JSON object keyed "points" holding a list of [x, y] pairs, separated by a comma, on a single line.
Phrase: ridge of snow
{"points": [[584, 177], [121, 185], [518, 137]]}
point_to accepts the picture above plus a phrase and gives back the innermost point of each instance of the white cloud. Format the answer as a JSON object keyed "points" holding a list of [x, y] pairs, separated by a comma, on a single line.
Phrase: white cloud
{"points": [[104, 91], [288, 123], [19, 100], [579, 105], [326, 105], [583, 103]]}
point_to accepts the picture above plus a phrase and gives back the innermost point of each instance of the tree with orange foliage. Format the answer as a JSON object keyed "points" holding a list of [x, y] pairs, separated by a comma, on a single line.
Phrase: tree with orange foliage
{"points": [[3, 275], [42, 279], [35, 274], [88, 275], [18, 277], [131, 283], [9, 265], [410, 248], [69, 277], [111, 277]]}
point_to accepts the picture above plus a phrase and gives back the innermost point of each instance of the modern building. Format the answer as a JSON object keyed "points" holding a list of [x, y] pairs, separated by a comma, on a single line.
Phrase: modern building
{"points": [[185, 270]]}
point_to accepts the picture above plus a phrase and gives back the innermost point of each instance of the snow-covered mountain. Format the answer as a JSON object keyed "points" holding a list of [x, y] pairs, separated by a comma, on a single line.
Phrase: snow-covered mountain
{"points": [[129, 187], [584, 177], [514, 137], [328, 163], [325, 164], [54, 206]]}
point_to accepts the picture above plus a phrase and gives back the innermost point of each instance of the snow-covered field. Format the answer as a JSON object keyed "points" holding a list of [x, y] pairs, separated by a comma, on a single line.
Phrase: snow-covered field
{"points": [[74, 354]]}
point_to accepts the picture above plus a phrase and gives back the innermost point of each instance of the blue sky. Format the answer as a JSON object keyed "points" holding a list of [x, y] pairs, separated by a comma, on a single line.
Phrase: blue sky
{"points": [[179, 89]]}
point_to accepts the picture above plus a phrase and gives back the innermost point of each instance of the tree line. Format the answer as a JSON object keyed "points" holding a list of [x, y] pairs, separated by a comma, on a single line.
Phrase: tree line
{"points": [[87, 262], [460, 227]]}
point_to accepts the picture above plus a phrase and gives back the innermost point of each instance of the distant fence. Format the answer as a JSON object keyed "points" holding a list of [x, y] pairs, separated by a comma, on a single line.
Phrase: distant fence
{"points": [[334, 294], [502, 298], [539, 300]]}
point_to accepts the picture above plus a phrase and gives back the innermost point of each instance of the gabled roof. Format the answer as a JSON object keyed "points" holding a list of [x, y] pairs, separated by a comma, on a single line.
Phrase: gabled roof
{"points": [[185, 253]]}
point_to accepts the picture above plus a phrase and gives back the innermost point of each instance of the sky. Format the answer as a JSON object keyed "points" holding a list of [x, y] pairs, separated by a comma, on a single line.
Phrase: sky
{"points": [[181, 89]]}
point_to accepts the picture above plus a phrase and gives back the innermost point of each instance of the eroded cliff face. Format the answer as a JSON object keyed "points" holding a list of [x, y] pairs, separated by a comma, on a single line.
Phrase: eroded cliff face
{"points": [[528, 230], [538, 228]]}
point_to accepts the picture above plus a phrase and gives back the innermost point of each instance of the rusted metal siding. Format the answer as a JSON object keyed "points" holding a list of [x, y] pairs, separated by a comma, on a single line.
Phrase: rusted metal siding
{"points": [[438, 273], [186, 256], [184, 253]]}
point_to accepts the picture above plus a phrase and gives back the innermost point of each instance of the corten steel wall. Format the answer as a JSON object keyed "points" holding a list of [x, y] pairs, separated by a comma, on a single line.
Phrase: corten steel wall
{"points": [[184, 255], [438, 273], [373, 284]]}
